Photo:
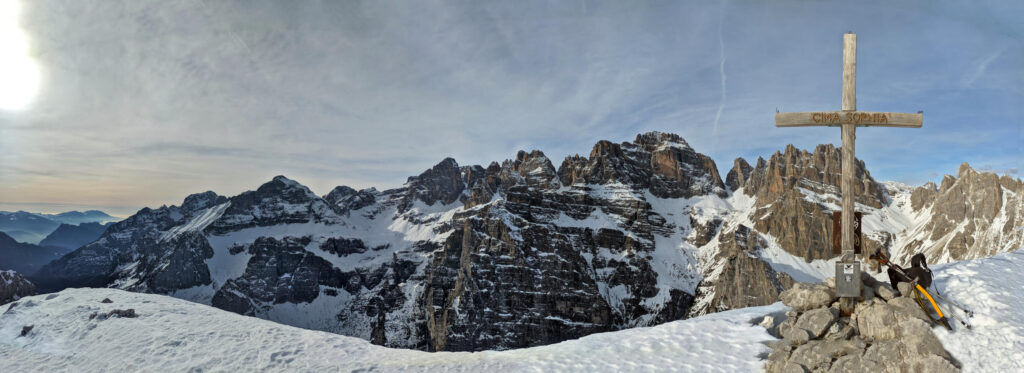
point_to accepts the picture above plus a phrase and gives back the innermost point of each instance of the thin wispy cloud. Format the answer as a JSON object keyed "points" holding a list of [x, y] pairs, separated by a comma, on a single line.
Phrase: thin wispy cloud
{"points": [[979, 68], [721, 72]]}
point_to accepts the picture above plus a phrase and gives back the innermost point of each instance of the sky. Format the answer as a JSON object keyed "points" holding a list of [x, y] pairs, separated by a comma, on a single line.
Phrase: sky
{"points": [[139, 103]]}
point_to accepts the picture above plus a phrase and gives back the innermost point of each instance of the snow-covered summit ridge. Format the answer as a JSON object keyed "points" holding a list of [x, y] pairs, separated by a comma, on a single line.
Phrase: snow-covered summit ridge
{"points": [[174, 335]]}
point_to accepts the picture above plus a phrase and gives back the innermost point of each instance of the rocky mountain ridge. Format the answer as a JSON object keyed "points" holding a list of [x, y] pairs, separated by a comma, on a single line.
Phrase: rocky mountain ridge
{"points": [[14, 286], [69, 236], [26, 257], [516, 254]]}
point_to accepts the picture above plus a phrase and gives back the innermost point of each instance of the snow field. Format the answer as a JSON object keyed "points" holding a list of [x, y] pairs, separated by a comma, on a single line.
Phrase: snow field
{"points": [[994, 289], [172, 335]]}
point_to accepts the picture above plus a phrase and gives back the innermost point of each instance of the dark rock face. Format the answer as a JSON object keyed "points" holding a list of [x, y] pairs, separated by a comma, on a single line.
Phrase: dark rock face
{"points": [[973, 215], [738, 175], [738, 278], [279, 271], [794, 189], [14, 286], [663, 163], [547, 294], [819, 172], [444, 183], [346, 199], [280, 201], [139, 253]]}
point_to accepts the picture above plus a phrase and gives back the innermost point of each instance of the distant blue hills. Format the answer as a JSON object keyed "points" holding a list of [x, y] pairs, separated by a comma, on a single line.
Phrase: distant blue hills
{"points": [[30, 240], [29, 227]]}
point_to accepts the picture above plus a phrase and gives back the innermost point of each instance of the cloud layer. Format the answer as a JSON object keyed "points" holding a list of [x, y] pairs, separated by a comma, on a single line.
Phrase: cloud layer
{"points": [[143, 102]]}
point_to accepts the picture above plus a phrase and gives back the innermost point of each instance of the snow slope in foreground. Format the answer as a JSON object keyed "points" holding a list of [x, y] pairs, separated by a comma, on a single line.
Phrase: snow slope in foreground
{"points": [[993, 288], [175, 335]]}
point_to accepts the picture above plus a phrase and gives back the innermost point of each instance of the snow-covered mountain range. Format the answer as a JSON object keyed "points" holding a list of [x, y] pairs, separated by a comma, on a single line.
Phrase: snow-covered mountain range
{"points": [[519, 254]]}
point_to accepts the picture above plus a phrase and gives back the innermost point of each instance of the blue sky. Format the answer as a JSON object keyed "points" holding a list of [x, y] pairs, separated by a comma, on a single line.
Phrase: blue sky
{"points": [[142, 102]]}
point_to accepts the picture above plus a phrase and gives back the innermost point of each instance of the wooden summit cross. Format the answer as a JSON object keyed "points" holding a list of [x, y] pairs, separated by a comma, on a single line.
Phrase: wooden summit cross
{"points": [[849, 119]]}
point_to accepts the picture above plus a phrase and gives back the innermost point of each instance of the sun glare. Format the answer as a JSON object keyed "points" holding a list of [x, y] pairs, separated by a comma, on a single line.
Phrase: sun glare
{"points": [[19, 73]]}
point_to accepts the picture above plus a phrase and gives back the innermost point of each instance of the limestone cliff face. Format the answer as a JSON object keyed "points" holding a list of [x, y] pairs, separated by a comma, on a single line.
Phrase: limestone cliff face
{"points": [[972, 215], [736, 277], [924, 196], [661, 162], [819, 172], [797, 191], [738, 175]]}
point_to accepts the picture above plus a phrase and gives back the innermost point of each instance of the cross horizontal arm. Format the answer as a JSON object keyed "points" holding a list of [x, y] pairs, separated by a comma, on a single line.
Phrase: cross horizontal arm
{"points": [[858, 118]]}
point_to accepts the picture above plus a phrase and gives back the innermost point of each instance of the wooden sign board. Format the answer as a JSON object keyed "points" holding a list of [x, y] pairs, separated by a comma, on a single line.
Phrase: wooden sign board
{"points": [[837, 246], [858, 118]]}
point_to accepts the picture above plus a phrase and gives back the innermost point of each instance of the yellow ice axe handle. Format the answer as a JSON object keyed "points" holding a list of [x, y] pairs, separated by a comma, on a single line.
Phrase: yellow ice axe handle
{"points": [[929, 296]]}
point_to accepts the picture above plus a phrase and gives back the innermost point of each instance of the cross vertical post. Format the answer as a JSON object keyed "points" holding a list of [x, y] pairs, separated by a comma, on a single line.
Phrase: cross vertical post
{"points": [[849, 136], [848, 283]]}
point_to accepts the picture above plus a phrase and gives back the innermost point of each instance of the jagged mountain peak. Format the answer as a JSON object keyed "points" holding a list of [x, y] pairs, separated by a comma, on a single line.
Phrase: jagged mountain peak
{"points": [[655, 138], [534, 168], [737, 176], [281, 182], [819, 172], [446, 165], [964, 170], [346, 199], [660, 162], [199, 201], [443, 183], [339, 192]]}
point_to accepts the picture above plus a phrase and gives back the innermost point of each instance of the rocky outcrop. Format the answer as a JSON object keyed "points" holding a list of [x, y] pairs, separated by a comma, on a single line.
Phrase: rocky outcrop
{"points": [[924, 196], [818, 172], [660, 162], [14, 286], [546, 292], [444, 183], [737, 277], [805, 296], [972, 215], [738, 175], [345, 199], [880, 334], [796, 192]]}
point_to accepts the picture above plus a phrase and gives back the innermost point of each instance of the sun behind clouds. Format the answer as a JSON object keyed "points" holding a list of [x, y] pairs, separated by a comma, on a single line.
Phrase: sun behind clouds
{"points": [[19, 73]]}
